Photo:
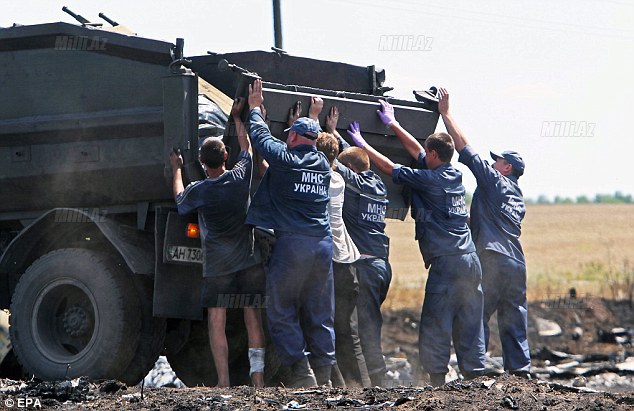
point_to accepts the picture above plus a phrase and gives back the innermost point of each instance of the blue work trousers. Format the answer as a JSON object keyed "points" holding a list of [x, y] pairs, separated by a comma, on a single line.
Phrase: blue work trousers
{"points": [[452, 310], [300, 290], [374, 275], [504, 287]]}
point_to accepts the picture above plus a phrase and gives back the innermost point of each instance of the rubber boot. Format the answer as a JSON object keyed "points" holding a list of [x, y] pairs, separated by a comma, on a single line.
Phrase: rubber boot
{"points": [[378, 379], [322, 375], [436, 379], [336, 377], [472, 375], [521, 373], [301, 375]]}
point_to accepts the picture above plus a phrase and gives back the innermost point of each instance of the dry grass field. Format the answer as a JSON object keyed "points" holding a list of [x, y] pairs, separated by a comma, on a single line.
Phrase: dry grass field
{"points": [[586, 246]]}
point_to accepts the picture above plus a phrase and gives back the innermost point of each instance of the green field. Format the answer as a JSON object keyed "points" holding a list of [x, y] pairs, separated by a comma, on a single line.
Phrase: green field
{"points": [[586, 246]]}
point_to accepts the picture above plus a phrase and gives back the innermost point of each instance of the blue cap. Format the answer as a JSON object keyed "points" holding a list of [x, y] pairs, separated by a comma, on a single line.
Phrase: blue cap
{"points": [[514, 158], [306, 127]]}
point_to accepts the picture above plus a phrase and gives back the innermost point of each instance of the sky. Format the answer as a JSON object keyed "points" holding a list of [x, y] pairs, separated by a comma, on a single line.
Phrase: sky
{"points": [[550, 79]]}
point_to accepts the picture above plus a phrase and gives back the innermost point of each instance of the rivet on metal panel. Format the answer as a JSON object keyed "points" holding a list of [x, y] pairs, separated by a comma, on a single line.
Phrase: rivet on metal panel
{"points": [[20, 154]]}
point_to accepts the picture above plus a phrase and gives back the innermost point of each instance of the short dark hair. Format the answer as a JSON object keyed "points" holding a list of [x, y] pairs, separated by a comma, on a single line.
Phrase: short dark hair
{"points": [[212, 152], [329, 145], [441, 143], [355, 156]]}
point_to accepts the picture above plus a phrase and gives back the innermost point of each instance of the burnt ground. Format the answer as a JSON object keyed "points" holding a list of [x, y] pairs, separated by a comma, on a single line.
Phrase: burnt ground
{"points": [[400, 339], [590, 314], [504, 392]]}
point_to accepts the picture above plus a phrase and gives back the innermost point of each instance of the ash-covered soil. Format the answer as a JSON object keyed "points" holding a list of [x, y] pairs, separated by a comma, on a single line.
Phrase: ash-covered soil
{"points": [[582, 353], [504, 392], [578, 355]]}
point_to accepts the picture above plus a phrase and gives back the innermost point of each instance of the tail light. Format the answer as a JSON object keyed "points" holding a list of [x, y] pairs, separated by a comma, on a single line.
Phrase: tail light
{"points": [[193, 231]]}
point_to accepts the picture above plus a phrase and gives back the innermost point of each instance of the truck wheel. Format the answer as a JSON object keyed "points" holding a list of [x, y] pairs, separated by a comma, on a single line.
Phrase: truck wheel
{"points": [[73, 313], [152, 338]]}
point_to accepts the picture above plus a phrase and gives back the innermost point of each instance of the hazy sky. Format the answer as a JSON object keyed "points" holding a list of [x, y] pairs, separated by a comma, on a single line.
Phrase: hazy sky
{"points": [[550, 79]]}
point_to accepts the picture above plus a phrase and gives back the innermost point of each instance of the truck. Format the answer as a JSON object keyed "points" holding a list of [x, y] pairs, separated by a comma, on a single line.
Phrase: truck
{"points": [[98, 271]]}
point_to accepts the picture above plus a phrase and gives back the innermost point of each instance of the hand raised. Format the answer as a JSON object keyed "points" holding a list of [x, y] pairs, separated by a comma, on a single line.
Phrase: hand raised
{"points": [[236, 108], [316, 105], [354, 131], [331, 119], [386, 113], [443, 101], [294, 113], [255, 94]]}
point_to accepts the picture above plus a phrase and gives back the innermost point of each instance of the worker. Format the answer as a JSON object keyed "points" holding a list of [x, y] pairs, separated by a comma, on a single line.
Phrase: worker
{"points": [[497, 211], [350, 359], [231, 262], [364, 210], [292, 199], [452, 308]]}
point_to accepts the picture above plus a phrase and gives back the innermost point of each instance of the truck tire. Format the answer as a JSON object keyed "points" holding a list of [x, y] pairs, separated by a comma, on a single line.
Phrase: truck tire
{"points": [[74, 313], [152, 336]]}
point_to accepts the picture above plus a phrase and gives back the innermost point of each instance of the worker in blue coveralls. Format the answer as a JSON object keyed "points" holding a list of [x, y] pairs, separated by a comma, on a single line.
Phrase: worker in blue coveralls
{"points": [[292, 200], [364, 207], [497, 211], [231, 262], [452, 308]]}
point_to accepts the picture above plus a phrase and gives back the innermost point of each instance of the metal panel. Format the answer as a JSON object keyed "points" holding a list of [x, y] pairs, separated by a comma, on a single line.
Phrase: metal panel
{"points": [[175, 236], [66, 37], [176, 287], [285, 69], [419, 118], [180, 102]]}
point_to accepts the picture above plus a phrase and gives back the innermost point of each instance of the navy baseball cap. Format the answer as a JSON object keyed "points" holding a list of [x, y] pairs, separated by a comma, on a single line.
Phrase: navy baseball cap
{"points": [[514, 158], [306, 127]]}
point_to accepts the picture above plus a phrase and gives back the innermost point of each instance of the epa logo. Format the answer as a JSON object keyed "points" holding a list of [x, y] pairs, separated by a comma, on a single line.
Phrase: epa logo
{"points": [[23, 402]]}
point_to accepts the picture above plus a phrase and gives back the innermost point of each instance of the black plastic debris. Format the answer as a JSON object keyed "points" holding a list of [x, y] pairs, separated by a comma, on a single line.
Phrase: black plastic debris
{"points": [[70, 390], [110, 386], [510, 402], [618, 335]]}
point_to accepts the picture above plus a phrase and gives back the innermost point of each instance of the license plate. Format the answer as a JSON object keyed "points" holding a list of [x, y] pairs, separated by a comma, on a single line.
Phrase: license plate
{"points": [[184, 254]]}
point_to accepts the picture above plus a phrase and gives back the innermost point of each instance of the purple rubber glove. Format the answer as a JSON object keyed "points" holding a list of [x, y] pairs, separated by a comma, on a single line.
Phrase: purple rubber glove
{"points": [[386, 113], [355, 133]]}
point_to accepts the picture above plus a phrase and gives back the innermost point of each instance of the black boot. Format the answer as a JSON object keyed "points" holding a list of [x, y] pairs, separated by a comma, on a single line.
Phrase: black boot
{"points": [[378, 379], [322, 375], [301, 375], [436, 379], [470, 375], [521, 373], [336, 377]]}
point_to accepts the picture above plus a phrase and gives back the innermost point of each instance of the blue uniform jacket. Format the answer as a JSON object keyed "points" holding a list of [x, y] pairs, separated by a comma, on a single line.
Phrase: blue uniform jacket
{"points": [[497, 208], [293, 194], [438, 207], [364, 207]]}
